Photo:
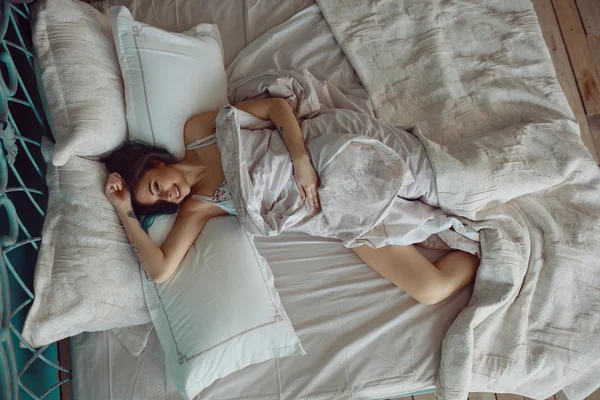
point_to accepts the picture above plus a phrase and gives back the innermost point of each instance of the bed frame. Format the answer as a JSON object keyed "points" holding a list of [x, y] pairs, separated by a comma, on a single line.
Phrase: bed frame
{"points": [[25, 373]]}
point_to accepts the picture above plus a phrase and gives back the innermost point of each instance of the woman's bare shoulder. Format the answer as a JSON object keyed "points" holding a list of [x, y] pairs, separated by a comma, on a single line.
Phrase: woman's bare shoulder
{"points": [[192, 209], [200, 126]]}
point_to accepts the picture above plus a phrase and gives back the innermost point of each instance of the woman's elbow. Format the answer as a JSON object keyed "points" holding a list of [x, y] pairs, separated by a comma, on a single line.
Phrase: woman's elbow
{"points": [[159, 278], [161, 275], [430, 299], [281, 102]]}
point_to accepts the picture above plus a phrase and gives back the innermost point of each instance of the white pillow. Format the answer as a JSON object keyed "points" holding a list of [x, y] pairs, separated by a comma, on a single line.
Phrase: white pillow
{"points": [[220, 311], [79, 75], [87, 277], [169, 77]]}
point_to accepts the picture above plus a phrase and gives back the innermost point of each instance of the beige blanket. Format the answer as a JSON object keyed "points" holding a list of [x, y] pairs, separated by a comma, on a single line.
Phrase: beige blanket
{"points": [[477, 78]]}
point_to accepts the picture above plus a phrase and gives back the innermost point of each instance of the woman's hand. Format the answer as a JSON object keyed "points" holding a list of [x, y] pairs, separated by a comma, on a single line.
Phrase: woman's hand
{"points": [[307, 180], [117, 192]]}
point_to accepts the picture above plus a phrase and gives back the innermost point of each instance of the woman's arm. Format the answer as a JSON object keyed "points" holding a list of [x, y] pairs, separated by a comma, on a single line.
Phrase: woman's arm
{"points": [[276, 109], [160, 263], [280, 112]]}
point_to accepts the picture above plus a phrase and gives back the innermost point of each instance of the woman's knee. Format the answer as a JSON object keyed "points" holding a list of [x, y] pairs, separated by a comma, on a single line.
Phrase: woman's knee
{"points": [[406, 268], [457, 270], [432, 293]]}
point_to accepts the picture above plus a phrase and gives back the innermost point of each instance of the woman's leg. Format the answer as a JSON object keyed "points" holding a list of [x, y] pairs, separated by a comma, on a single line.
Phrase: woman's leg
{"points": [[408, 269]]}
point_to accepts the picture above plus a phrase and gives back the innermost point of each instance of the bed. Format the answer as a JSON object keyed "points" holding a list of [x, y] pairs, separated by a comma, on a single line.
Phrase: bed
{"points": [[392, 319], [364, 337], [346, 319]]}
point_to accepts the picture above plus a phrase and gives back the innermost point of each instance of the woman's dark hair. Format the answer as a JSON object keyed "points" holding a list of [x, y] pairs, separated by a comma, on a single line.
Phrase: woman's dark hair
{"points": [[132, 160]]}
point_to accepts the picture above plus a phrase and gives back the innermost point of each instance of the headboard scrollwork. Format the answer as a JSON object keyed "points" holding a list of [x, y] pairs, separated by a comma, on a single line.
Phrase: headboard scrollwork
{"points": [[24, 372]]}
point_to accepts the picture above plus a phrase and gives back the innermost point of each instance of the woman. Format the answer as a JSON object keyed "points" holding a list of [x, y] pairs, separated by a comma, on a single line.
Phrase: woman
{"points": [[147, 180]]}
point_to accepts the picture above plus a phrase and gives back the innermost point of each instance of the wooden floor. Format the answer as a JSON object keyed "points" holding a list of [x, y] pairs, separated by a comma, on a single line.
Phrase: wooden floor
{"points": [[572, 32], [498, 396]]}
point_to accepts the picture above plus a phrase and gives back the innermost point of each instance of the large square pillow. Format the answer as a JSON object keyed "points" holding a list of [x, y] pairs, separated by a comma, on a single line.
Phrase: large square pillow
{"points": [[87, 277], [220, 311], [169, 77], [79, 77]]}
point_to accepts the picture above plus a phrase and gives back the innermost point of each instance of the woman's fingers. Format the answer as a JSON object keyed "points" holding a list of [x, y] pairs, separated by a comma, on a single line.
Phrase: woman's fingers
{"points": [[116, 180], [111, 188], [301, 190], [313, 197], [308, 192], [317, 201], [114, 183], [311, 201], [309, 196]]}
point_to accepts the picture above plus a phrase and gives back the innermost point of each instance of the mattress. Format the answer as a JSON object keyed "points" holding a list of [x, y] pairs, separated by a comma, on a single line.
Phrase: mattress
{"points": [[364, 337]]}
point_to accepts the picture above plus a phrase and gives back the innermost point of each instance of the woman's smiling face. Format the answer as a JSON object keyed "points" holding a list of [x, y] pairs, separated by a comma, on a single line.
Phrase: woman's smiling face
{"points": [[163, 182]]}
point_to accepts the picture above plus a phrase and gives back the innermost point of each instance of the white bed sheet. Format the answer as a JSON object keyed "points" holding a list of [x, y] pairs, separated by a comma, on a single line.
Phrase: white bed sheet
{"points": [[365, 338], [298, 37]]}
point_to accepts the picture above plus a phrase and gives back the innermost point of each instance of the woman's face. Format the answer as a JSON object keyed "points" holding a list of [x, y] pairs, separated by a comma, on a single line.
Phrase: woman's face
{"points": [[162, 182]]}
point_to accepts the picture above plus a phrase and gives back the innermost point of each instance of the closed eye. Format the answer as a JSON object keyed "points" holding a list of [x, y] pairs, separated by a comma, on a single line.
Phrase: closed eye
{"points": [[154, 188]]}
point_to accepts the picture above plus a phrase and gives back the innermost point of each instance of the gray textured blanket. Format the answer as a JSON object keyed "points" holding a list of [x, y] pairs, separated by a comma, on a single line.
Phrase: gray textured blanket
{"points": [[477, 78]]}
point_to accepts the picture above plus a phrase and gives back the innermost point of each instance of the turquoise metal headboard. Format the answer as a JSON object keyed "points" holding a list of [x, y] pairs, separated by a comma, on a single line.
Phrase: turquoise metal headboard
{"points": [[24, 372]]}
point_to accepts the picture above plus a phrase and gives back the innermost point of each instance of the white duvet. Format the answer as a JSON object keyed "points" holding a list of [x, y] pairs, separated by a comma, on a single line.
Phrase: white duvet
{"points": [[367, 169], [478, 80]]}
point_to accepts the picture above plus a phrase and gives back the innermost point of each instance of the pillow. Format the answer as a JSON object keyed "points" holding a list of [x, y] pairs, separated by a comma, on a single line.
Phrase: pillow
{"points": [[134, 338], [169, 77], [80, 77], [220, 311], [87, 277]]}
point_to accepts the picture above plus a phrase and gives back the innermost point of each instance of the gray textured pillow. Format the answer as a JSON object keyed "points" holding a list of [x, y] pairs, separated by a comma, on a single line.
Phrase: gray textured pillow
{"points": [[134, 338], [87, 277], [79, 73]]}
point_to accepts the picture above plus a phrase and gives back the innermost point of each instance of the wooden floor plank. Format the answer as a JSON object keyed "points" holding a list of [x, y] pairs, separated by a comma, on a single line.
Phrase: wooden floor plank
{"points": [[594, 125], [64, 360], [582, 62], [549, 398], [594, 43], [594, 396], [590, 15], [428, 396], [507, 396], [564, 72], [482, 396]]}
